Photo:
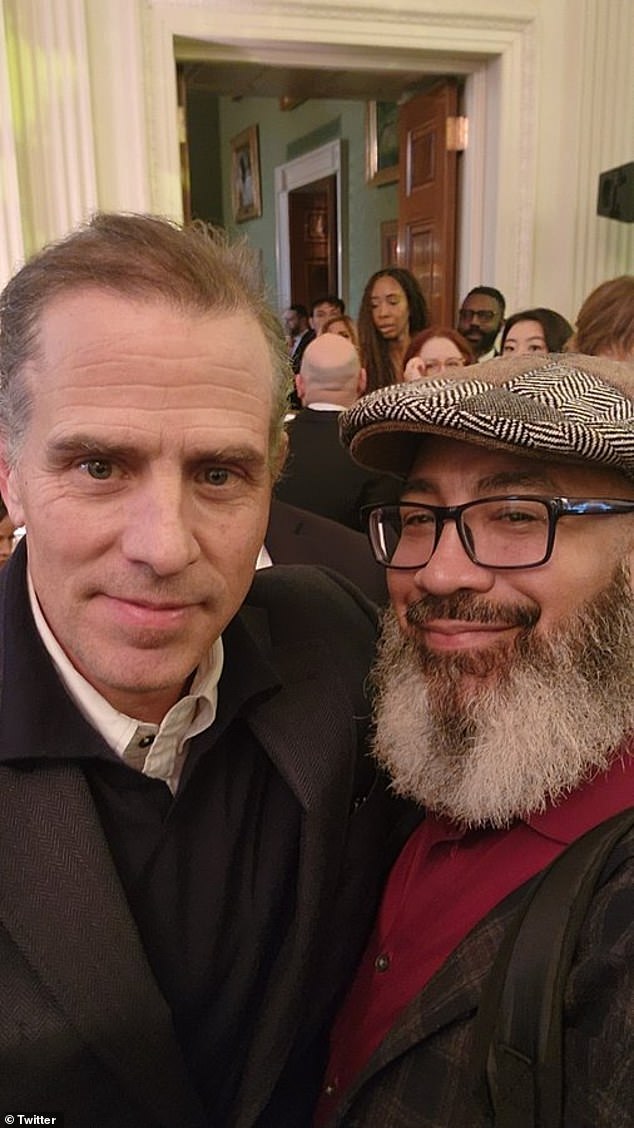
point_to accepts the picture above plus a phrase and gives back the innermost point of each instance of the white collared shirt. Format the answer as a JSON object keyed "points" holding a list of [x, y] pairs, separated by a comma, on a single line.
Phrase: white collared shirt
{"points": [[490, 355], [158, 751]]}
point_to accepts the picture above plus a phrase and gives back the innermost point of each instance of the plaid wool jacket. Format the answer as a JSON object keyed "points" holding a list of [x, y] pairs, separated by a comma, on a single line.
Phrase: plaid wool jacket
{"points": [[423, 1075]]}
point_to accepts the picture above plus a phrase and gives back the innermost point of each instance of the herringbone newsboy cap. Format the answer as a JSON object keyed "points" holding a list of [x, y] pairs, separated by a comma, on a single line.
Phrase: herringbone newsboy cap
{"points": [[558, 406]]}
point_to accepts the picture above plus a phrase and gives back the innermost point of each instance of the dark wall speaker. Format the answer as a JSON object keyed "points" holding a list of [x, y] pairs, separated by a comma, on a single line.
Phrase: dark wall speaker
{"points": [[616, 193]]}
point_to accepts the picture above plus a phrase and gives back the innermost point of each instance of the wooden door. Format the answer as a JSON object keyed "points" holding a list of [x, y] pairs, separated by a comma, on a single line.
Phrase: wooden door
{"points": [[312, 219], [427, 197]]}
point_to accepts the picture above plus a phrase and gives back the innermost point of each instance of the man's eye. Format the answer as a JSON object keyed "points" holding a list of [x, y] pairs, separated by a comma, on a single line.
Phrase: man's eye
{"points": [[216, 476], [416, 520], [520, 516], [97, 468]]}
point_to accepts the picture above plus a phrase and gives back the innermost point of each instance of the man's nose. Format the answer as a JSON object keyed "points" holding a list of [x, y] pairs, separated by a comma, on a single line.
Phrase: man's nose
{"points": [[159, 531], [451, 568]]}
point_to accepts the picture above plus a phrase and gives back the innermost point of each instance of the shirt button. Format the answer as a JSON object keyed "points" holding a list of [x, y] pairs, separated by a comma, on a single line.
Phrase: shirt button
{"points": [[330, 1089], [382, 962], [145, 741]]}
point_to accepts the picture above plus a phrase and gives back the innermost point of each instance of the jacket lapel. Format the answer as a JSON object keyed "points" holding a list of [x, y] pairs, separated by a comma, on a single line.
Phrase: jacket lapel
{"points": [[62, 904], [317, 777]]}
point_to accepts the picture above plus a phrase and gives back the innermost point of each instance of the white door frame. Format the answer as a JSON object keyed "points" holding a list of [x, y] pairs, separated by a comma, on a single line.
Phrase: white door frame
{"points": [[318, 163], [494, 47]]}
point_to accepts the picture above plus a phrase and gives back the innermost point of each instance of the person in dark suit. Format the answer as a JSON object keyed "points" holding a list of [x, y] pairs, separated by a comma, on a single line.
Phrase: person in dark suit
{"points": [[504, 692], [193, 838], [295, 536], [319, 474], [300, 333]]}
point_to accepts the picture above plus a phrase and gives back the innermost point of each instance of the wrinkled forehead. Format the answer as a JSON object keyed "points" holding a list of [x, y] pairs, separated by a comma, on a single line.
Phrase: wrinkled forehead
{"points": [[438, 462]]}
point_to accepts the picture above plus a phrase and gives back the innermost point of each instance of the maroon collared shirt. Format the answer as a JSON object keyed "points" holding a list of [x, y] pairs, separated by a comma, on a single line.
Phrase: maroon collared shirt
{"points": [[443, 883]]}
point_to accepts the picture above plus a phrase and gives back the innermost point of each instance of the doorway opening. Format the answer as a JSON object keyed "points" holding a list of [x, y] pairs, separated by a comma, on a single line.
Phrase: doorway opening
{"points": [[315, 233], [312, 222]]}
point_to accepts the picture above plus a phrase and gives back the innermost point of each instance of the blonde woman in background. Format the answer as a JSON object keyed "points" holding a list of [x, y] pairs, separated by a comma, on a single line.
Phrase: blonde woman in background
{"points": [[605, 322], [343, 326]]}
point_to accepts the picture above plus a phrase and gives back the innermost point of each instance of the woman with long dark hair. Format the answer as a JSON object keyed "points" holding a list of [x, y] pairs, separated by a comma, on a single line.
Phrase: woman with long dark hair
{"points": [[392, 310]]}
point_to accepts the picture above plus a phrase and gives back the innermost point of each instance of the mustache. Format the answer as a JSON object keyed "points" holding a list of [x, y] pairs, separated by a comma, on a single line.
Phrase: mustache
{"points": [[467, 608]]}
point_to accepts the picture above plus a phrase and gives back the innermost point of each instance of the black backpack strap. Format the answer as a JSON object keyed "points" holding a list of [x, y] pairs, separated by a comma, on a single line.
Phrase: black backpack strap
{"points": [[519, 1031]]}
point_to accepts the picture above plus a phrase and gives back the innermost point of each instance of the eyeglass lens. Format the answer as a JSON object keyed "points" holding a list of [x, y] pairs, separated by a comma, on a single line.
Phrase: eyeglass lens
{"points": [[485, 315], [432, 366], [495, 533]]}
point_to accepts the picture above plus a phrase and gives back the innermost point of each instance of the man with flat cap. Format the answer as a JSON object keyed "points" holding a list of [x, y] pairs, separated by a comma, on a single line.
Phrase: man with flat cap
{"points": [[504, 704]]}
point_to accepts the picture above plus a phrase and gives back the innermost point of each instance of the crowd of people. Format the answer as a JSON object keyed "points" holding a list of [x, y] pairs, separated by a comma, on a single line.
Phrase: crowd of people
{"points": [[396, 341], [393, 343], [289, 846]]}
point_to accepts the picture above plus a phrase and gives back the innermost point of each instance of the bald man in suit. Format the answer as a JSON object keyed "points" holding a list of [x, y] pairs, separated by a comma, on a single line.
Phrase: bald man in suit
{"points": [[319, 474]]}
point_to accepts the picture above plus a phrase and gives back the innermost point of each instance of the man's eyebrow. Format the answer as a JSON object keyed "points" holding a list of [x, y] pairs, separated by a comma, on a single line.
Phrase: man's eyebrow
{"points": [[67, 446], [517, 479], [79, 443], [501, 481]]}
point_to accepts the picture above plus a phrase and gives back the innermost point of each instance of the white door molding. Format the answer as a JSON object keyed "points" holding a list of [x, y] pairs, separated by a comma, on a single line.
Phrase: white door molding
{"points": [[495, 51]]}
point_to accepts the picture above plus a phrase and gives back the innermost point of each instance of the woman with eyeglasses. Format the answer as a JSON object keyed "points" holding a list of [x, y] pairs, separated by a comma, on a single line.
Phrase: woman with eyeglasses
{"points": [[436, 352]]}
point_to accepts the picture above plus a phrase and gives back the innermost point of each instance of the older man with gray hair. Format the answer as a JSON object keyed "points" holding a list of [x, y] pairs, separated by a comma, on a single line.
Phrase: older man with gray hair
{"points": [[504, 705]]}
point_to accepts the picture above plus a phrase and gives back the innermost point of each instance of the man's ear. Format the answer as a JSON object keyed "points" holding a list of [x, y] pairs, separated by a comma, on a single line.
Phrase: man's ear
{"points": [[9, 488], [362, 382], [280, 457], [300, 386]]}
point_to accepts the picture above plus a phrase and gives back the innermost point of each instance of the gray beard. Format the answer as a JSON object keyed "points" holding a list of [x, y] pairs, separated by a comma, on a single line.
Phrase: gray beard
{"points": [[547, 713]]}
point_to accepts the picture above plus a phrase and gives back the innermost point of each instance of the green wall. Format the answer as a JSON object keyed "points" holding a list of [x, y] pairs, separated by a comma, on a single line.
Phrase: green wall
{"points": [[205, 163], [285, 135]]}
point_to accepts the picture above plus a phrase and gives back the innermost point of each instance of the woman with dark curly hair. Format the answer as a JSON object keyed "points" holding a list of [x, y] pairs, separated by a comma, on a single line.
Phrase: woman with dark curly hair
{"points": [[392, 310], [535, 331]]}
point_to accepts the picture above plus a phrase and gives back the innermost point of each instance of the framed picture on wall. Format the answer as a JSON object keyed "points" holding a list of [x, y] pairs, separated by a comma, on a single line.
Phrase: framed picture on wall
{"points": [[381, 142], [246, 194]]}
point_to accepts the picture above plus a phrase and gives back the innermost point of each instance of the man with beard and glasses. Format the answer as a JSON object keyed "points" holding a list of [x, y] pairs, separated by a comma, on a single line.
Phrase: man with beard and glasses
{"points": [[504, 705], [480, 320]]}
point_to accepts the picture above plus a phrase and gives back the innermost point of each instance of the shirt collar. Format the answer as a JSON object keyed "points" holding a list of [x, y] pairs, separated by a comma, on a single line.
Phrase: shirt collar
{"points": [[604, 795], [490, 355]]}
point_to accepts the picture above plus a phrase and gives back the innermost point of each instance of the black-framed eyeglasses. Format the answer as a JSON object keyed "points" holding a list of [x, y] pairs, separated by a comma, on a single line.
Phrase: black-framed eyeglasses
{"points": [[510, 531], [486, 316]]}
